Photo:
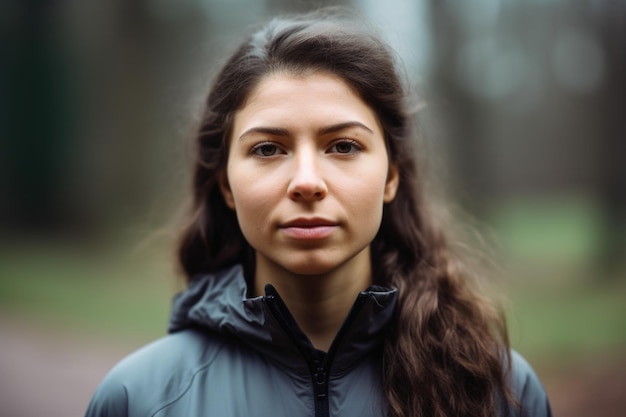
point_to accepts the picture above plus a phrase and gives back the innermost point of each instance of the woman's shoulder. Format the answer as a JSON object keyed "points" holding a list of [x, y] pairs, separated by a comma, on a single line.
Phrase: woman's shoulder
{"points": [[142, 375], [186, 349], [527, 388]]}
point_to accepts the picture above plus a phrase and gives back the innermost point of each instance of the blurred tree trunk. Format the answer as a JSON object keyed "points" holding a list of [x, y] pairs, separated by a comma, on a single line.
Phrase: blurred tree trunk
{"points": [[612, 142], [36, 120], [462, 130]]}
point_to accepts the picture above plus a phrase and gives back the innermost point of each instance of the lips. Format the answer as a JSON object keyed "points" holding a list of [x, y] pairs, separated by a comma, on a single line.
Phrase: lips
{"points": [[309, 228], [309, 222]]}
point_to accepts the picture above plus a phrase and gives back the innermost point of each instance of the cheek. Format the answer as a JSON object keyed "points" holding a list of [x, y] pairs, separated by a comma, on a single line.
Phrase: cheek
{"points": [[364, 197], [253, 201]]}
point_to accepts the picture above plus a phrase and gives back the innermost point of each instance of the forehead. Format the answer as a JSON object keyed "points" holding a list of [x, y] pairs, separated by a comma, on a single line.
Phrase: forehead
{"points": [[276, 81], [299, 98]]}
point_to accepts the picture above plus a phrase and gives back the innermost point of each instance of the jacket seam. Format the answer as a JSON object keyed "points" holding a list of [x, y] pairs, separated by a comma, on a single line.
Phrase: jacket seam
{"points": [[191, 379], [183, 393]]}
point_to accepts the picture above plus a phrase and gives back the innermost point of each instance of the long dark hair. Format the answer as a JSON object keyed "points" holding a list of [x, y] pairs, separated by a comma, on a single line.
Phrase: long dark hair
{"points": [[448, 350]]}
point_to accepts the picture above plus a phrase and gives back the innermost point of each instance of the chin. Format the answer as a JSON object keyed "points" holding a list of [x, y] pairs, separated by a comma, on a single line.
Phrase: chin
{"points": [[311, 267], [310, 270]]}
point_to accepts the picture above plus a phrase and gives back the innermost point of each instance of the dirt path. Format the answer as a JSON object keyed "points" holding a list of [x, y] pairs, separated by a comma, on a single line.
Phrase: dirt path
{"points": [[48, 373], [590, 388]]}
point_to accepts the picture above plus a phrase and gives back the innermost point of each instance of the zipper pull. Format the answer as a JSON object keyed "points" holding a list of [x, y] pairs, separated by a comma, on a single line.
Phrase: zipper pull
{"points": [[320, 381]]}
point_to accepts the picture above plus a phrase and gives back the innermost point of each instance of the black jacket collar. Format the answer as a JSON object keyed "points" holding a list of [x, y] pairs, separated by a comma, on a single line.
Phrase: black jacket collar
{"points": [[217, 302]]}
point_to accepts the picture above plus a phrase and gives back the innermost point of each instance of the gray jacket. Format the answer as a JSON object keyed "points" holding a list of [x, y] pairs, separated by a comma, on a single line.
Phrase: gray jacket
{"points": [[228, 355]]}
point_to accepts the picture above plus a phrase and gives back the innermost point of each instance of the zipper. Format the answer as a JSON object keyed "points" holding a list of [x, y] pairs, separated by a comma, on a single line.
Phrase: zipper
{"points": [[319, 369], [320, 390]]}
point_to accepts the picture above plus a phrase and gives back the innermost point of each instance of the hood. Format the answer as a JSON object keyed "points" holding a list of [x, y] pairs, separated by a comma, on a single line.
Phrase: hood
{"points": [[217, 302]]}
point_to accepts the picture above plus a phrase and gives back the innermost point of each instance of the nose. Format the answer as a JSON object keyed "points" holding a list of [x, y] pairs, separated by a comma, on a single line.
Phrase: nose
{"points": [[307, 182]]}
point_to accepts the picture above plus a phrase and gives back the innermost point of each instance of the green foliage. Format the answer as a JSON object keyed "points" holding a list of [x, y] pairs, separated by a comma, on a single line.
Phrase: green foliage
{"points": [[112, 291], [570, 322], [562, 305]]}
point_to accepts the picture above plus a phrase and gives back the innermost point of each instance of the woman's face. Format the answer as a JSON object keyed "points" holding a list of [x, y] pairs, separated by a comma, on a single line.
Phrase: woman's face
{"points": [[307, 173]]}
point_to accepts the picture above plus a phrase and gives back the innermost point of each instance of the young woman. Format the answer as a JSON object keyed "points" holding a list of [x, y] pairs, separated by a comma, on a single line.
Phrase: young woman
{"points": [[318, 284]]}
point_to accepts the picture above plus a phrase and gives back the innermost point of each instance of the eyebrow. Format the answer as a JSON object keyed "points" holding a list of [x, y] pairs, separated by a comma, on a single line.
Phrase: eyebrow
{"points": [[274, 131], [277, 131], [341, 126]]}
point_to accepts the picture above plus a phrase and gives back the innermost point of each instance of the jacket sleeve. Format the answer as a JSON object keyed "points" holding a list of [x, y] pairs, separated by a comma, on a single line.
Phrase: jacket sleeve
{"points": [[528, 389], [109, 400]]}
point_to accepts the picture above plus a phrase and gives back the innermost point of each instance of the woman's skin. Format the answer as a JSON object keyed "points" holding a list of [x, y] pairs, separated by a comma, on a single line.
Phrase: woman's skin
{"points": [[308, 174]]}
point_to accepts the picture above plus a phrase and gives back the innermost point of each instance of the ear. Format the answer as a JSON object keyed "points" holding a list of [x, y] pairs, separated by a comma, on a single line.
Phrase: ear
{"points": [[391, 186], [227, 194]]}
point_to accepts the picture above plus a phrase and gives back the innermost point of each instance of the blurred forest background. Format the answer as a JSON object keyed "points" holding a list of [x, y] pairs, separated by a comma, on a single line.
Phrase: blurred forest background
{"points": [[526, 108]]}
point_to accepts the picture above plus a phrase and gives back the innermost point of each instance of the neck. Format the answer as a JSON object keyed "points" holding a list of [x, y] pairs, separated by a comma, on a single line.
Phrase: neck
{"points": [[318, 303]]}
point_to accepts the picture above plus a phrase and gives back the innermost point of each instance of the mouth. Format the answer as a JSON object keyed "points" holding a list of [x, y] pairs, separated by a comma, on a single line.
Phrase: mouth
{"points": [[309, 228], [304, 222]]}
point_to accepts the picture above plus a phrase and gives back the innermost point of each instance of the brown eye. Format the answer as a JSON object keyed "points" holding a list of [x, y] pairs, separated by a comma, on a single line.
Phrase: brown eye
{"points": [[265, 150], [345, 147]]}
